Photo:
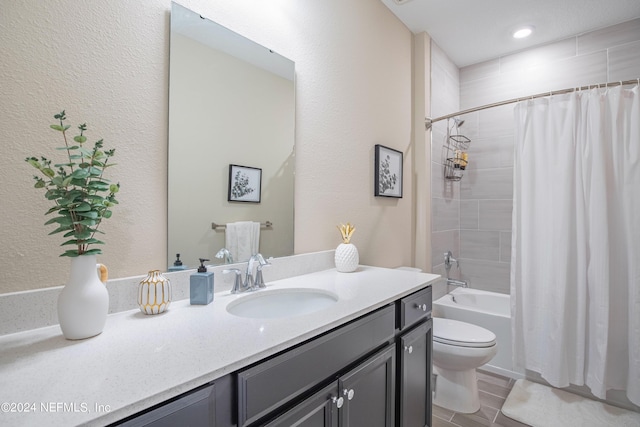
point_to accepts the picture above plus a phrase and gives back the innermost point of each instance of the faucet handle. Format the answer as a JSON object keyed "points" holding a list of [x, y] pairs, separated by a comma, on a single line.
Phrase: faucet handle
{"points": [[259, 282], [237, 284], [449, 259]]}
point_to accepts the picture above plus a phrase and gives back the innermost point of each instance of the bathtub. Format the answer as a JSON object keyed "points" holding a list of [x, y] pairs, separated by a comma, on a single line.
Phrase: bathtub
{"points": [[489, 310]]}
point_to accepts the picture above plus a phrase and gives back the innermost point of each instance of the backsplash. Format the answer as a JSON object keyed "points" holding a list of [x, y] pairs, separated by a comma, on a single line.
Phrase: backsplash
{"points": [[27, 310]]}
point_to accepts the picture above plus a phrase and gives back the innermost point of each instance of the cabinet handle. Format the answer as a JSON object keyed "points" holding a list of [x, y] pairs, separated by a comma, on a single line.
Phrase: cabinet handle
{"points": [[408, 348], [349, 393], [422, 307], [339, 401]]}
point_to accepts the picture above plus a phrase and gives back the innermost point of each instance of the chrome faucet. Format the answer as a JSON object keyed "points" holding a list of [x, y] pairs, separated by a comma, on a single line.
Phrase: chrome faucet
{"points": [[454, 282], [224, 253], [448, 262], [250, 283]]}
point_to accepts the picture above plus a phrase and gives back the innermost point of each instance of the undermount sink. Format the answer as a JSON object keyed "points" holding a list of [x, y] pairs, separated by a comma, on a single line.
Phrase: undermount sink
{"points": [[278, 303]]}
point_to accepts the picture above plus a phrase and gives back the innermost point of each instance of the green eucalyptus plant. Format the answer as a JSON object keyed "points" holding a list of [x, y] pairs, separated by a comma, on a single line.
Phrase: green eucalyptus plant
{"points": [[83, 197]]}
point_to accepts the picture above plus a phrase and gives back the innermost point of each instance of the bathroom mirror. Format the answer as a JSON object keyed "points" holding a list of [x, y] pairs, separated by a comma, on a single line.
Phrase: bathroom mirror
{"points": [[231, 102]]}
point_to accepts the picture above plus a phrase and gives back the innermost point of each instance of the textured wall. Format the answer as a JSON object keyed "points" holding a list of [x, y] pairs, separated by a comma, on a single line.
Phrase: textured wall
{"points": [[107, 64]]}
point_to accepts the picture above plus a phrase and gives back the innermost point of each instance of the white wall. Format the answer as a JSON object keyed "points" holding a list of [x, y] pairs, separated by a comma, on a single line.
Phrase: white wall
{"points": [[106, 63]]}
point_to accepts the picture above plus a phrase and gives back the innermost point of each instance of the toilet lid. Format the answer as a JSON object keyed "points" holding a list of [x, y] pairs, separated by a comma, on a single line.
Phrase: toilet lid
{"points": [[454, 332]]}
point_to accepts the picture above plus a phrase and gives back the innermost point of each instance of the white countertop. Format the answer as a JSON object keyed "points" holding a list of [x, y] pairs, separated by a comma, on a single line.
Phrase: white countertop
{"points": [[140, 360]]}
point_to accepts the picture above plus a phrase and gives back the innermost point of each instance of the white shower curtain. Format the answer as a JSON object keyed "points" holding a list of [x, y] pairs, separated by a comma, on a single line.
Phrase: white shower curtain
{"points": [[575, 266]]}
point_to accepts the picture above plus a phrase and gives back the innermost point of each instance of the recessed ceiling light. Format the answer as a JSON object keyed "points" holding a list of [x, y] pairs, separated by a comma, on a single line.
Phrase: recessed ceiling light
{"points": [[523, 32]]}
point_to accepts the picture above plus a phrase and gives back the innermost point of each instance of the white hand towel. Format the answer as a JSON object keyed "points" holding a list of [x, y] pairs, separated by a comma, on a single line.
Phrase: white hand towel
{"points": [[242, 239]]}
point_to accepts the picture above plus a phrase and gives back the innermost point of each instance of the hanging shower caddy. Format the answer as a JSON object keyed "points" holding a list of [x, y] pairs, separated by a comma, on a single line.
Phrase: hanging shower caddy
{"points": [[455, 152]]}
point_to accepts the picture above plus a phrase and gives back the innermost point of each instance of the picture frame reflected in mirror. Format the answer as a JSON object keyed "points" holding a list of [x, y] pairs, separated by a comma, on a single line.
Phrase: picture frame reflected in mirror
{"points": [[245, 184]]}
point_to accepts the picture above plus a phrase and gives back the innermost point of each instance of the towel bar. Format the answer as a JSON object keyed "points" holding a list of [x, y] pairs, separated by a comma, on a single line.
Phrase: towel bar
{"points": [[214, 226]]}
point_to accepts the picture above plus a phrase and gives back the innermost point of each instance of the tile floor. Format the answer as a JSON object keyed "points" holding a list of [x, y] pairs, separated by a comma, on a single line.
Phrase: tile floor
{"points": [[494, 390]]}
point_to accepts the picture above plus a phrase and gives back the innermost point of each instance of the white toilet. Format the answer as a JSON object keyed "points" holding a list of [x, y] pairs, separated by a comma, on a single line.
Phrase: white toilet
{"points": [[458, 349]]}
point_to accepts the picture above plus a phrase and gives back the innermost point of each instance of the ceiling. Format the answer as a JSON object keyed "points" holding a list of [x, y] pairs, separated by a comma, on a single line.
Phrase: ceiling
{"points": [[472, 31]]}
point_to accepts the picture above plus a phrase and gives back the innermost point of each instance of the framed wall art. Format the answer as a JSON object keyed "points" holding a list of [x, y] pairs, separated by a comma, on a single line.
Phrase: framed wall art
{"points": [[388, 172], [245, 184]]}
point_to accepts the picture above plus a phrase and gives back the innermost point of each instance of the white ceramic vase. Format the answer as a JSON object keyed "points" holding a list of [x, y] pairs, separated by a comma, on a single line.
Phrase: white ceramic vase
{"points": [[83, 303], [154, 293], [347, 258]]}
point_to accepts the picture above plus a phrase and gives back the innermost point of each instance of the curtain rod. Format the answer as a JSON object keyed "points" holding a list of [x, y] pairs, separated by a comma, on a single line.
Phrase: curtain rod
{"points": [[428, 121]]}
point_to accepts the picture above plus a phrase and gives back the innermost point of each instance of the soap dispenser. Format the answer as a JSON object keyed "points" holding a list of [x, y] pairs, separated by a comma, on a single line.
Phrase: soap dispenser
{"points": [[177, 265], [201, 285]]}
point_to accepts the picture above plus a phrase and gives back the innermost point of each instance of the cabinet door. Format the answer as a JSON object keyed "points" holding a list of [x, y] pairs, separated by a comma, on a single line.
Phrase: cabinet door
{"points": [[415, 376], [194, 409], [319, 410], [369, 392]]}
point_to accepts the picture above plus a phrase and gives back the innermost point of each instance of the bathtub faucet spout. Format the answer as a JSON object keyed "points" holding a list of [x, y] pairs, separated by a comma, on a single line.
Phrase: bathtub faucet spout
{"points": [[454, 282]]}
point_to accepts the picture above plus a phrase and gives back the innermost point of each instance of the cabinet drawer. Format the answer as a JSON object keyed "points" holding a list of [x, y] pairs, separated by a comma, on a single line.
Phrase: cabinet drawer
{"points": [[415, 307], [270, 384]]}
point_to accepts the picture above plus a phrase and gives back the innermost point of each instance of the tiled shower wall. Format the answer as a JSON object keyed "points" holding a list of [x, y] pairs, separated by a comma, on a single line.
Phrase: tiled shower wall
{"points": [[473, 217], [445, 195]]}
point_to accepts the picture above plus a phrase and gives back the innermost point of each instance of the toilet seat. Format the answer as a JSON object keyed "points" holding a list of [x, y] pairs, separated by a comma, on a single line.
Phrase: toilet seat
{"points": [[461, 334]]}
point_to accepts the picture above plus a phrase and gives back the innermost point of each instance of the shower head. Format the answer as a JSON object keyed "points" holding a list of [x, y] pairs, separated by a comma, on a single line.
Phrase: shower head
{"points": [[458, 122]]}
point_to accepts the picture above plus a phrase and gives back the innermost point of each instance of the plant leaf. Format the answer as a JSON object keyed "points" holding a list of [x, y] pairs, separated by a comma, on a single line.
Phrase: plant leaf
{"points": [[98, 186], [90, 214], [59, 230], [94, 251], [57, 181], [73, 253], [82, 207], [83, 235], [62, 220], [33, 162], [80, 173]]}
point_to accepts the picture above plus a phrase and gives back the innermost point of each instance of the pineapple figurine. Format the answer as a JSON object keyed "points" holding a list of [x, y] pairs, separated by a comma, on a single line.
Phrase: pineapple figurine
{"points": [[346, 257]]}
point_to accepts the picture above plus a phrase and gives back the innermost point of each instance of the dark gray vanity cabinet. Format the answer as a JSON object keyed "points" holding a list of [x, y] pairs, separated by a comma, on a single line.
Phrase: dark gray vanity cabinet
{"points": [[272, 385], [363, 396], [414, 360]]}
